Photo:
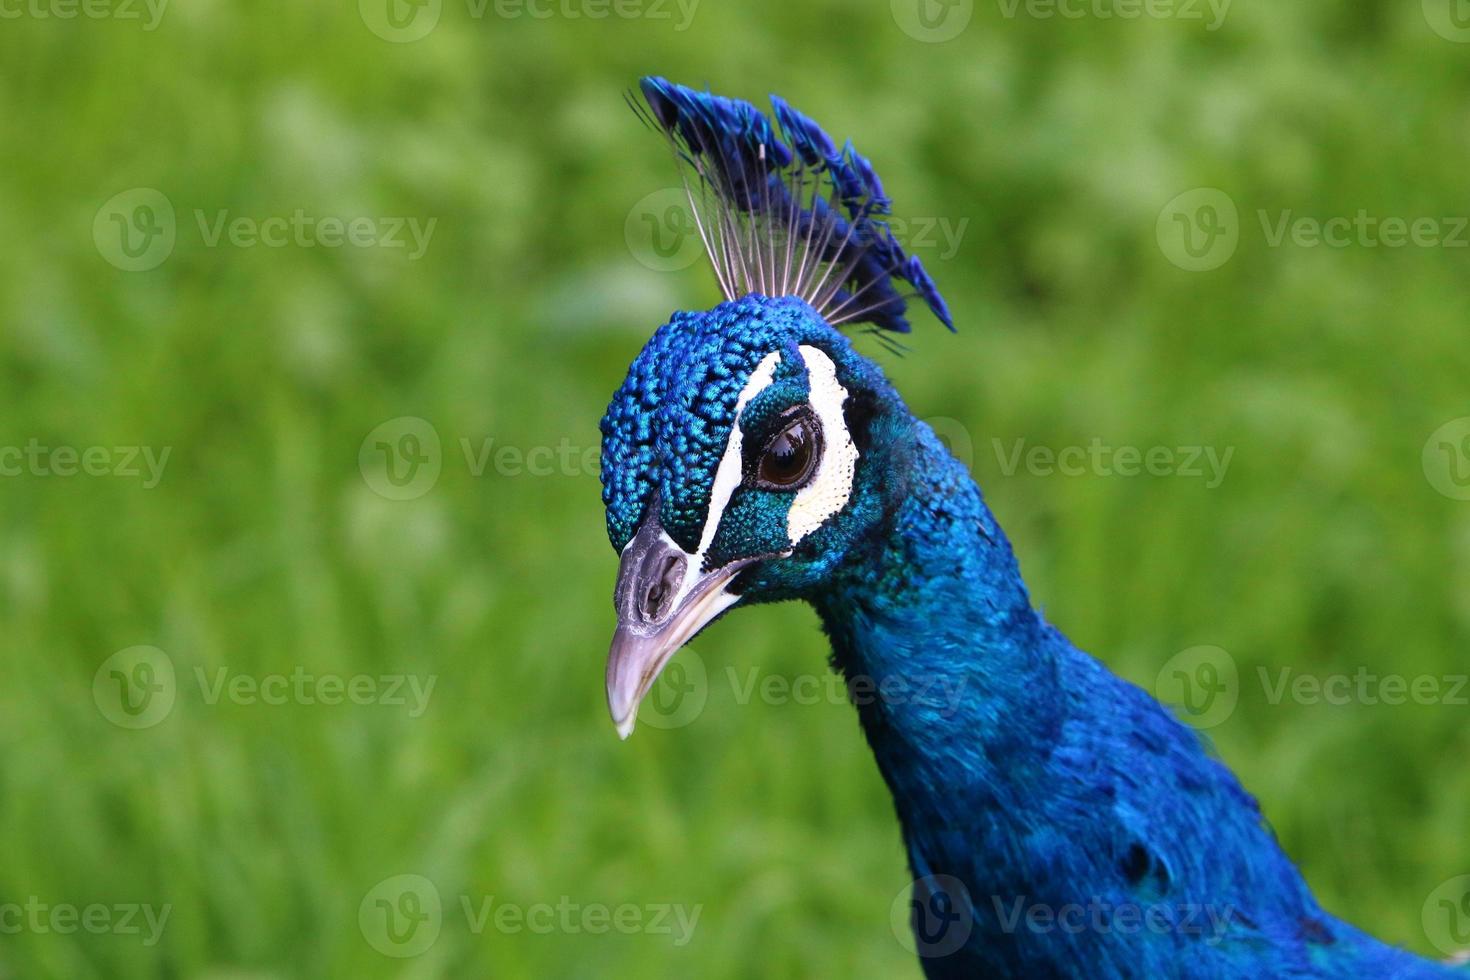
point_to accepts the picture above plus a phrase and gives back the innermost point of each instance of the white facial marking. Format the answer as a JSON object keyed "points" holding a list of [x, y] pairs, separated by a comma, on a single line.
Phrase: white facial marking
{"points": [[727, 476], [830, 488]]}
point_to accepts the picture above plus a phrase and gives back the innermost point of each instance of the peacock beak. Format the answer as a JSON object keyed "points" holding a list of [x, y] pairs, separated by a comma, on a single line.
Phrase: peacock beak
{"points": [[663, 597]]}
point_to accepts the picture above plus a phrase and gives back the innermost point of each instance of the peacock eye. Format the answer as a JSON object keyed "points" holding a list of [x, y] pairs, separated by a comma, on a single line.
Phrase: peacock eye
{"points": [[791, 455]]}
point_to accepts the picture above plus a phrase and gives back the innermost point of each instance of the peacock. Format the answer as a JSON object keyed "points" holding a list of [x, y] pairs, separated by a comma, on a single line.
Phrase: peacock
{"points": [[1058, 820]]}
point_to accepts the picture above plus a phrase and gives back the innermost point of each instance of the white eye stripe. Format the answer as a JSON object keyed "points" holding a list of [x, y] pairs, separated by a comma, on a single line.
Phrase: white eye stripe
{"points": [[830, 488], [730, 471]]}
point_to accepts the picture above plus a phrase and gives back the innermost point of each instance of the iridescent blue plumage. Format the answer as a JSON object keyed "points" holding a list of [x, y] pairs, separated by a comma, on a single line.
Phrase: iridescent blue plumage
{"points": [[1060, 821]]}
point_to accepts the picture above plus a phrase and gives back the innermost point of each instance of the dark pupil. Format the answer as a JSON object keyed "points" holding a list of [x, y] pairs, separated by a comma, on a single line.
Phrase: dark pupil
{"points": [[788, 456]]}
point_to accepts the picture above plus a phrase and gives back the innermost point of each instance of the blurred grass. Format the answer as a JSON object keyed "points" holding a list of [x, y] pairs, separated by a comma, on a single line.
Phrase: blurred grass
{"points": [[263, 550]]}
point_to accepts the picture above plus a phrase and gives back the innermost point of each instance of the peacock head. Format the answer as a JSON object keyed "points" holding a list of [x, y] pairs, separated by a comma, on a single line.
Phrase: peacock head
{"points": [[748, 453]]}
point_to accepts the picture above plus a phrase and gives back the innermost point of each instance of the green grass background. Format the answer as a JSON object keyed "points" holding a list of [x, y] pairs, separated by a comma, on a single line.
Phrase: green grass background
{"points": [[264, 550]]}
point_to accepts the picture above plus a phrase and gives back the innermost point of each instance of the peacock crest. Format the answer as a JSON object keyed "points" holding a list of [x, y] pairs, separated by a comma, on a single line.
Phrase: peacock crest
{"points": [[784, 211]]}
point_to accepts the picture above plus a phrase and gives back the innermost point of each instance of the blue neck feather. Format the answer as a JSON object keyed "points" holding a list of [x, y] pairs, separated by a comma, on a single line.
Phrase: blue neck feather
{"points": [[1087, 825]]}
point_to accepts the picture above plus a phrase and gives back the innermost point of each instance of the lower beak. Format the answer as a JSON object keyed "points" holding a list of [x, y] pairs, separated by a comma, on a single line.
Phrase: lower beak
{"points": [[662, 599]]}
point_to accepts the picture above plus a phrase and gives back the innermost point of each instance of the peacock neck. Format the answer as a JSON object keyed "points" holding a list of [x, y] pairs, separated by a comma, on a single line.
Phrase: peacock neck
{"points": [[1004, 749], [953, 673]]}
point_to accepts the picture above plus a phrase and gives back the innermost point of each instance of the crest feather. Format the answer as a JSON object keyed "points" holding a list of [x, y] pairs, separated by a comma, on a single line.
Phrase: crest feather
{"points": [[788, 215]]}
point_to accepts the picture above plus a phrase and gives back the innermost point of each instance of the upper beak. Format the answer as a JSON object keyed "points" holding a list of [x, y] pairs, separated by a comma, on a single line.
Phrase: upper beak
{"points": [[662, 599]]}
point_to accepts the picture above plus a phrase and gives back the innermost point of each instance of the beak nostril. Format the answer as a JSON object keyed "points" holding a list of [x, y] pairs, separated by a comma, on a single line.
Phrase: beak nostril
{"points": [[661, 588], [655, 597]]}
